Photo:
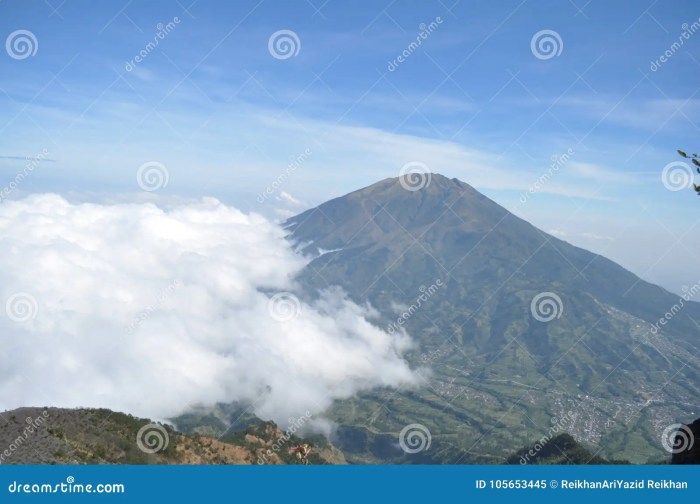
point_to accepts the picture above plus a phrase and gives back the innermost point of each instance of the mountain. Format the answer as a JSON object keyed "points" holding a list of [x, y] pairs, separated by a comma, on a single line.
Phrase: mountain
{"points": [[101, 436], [561, 449], [472, 284]]}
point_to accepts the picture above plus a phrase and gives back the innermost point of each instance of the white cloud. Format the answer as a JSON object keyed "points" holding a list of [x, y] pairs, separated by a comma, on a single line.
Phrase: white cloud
{"points": [[558, 232], [284, 214], [291, 200], [632, 113], [149, 311], [603, 174], [595, 236]]}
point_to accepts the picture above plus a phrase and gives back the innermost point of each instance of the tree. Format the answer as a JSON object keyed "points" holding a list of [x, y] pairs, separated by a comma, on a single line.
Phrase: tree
{"points": [[696, 161]]}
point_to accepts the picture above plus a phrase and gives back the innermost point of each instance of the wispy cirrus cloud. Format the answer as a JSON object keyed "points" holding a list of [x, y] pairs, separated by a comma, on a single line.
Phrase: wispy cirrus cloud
{"points": [[633, 112], [27, 158]]}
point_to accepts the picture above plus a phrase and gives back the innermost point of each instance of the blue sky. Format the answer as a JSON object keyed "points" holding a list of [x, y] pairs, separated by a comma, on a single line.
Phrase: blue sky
{"points": [[213, 105]]}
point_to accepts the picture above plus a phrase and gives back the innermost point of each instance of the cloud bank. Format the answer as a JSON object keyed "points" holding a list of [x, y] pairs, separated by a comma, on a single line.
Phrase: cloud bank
{"points": [[150, 311]]}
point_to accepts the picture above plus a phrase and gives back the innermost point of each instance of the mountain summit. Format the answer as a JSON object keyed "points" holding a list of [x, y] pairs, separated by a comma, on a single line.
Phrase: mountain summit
{"points": [[519, 327], [387, 210]]}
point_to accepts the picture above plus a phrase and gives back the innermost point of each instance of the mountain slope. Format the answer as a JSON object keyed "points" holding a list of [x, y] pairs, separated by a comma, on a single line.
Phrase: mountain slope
{"points": [[100, 436], [499, 373], [562, 449]]}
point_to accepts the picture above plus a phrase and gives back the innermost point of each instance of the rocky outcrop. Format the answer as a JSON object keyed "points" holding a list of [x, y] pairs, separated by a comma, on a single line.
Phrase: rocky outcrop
{"points": [[100, 436]]}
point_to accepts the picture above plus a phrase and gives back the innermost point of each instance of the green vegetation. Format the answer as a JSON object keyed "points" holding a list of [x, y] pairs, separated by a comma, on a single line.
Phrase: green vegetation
{"points": [[696, 161], [100, 436], [561, 449]]}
